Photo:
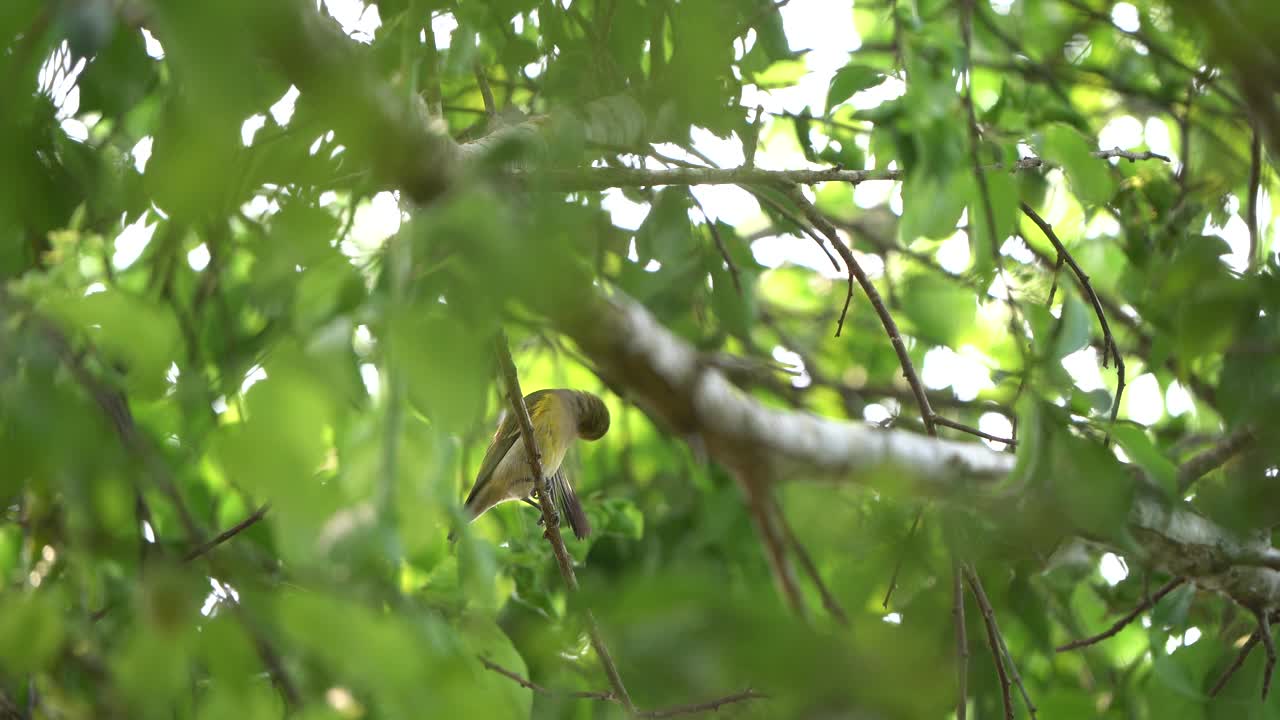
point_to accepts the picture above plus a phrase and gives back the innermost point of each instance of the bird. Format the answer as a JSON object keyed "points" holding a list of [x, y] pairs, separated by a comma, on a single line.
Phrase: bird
{"points": [[559, 417]]}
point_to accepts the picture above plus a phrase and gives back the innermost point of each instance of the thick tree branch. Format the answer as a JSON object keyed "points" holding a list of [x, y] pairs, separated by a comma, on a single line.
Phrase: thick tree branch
{"points": [[670, 380], [601, 178], [666, 378]]}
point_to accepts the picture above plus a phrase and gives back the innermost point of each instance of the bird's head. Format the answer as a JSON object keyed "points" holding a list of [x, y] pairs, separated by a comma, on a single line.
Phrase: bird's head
{"points": [[593, 416]]}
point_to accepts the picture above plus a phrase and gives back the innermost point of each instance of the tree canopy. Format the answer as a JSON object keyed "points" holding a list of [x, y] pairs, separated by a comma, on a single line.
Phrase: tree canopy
{"points": [[939, 337]]}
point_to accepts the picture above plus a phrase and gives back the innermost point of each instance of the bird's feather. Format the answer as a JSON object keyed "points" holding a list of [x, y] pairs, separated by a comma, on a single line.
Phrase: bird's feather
{"points": [[567, 503], [507, 435]]}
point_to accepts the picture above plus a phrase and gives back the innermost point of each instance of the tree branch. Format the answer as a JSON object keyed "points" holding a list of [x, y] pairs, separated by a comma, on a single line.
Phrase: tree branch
{"points": [[1254, 638], [873, 295], [690, 709], [1211, 459], [1251, 212], [602, 178], [227, 534], [1108, 341], [1129, 617], [550, 520]]}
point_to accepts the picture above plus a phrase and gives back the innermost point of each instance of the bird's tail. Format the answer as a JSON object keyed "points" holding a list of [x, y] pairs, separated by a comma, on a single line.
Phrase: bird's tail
{"points": [[567, 503]]}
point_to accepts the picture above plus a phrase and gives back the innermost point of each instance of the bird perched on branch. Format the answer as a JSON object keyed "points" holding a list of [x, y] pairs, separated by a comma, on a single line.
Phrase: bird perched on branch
{"points": [[559, 417]]}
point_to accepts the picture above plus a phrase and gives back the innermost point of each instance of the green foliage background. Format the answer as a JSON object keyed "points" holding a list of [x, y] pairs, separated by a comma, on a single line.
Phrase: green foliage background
{"points": [[126, 401]]}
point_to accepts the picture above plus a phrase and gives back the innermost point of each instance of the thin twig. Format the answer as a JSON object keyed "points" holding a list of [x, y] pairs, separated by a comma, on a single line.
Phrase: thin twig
{"points": [[848, 299], [805, 229], [690, 709], [975, 139], [1108, 340], [962, 636], [486, 93], [1120, 624], [829, 600], [432, 92], [891, 327], [760, 502], [724, 250], [1017, 677], [525, 682], [902, 556], [1208, 460], [973, 431], [993, 633], [701, 707], [1053, 289], [1268, 644], [227, 534], [1236, 664], [1255, 178], [550, 520], [1000, 647]]}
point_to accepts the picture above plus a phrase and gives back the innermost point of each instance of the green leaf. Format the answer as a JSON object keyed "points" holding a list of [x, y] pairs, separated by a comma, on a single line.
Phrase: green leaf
{"points": [[1090, 177], [1089, 486], [931, 206], [666, 234], [851, 79], [32, 630], [941, 311], [1074, 329], [1002, 191], [1139, 447]]}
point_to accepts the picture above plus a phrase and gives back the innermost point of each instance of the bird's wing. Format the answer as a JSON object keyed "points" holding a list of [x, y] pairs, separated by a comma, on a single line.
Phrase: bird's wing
{"points": [[567, 502], [508, 434]]}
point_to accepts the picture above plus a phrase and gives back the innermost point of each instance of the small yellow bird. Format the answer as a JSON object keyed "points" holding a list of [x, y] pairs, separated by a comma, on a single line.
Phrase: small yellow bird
{"points": [[559, 417]]}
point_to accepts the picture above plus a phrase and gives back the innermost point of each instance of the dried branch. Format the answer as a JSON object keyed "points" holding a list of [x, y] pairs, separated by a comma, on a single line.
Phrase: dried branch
{"points": [[550, 519], [1128, 617], [1108, 341], [690, 709]]}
